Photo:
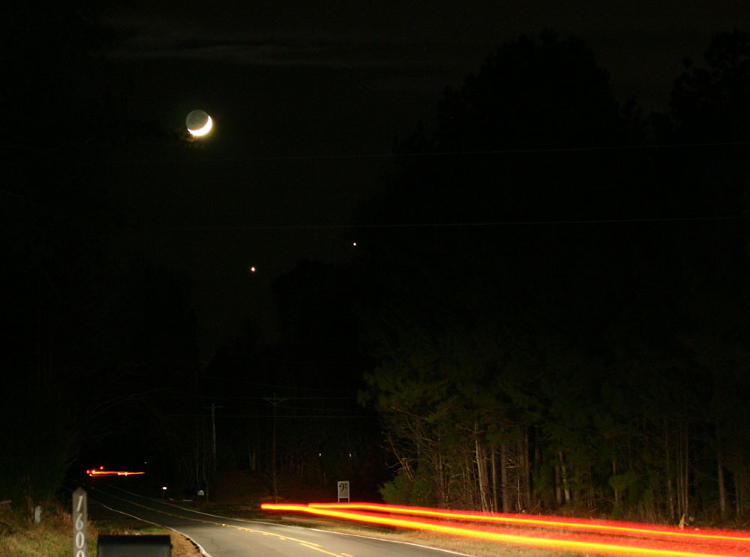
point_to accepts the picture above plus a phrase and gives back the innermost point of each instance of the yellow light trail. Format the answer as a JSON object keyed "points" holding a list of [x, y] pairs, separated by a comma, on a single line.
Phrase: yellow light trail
{"points": [[600, 548], [605, 526]]}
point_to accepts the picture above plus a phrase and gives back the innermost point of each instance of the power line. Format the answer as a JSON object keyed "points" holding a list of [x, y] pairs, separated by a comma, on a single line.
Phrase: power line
{"points": [[281, 416], [272, 386], [464, 224], [445, 154], [241, 397], [506, 151]]}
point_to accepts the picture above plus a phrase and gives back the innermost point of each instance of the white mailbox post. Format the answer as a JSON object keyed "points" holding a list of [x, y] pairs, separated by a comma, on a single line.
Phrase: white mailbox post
{"points": [[80, 520]]}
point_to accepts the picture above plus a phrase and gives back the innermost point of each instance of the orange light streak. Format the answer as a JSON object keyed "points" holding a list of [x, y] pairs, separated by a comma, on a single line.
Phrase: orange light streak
{"points": [[543, 542], [94, 472], [604, 526]]}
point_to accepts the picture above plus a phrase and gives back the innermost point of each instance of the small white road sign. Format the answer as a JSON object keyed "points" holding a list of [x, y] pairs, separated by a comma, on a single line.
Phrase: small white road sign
{"points": [[343, 489]]}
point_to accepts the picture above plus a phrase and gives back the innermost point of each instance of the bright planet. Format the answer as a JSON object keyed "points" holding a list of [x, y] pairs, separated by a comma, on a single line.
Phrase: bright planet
{"points": [[199, 123]]}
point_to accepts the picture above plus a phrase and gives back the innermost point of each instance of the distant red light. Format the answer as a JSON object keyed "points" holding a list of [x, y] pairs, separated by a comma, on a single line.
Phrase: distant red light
{"points": [[102, 472]]}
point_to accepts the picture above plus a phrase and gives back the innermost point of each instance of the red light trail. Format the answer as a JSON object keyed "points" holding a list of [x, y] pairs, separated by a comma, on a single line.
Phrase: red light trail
{"points": [[636, 529], [93, 472], [607, 540]]}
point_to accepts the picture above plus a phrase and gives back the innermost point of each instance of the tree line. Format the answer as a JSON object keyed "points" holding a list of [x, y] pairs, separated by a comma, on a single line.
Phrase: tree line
{"points": [[557, 293]]}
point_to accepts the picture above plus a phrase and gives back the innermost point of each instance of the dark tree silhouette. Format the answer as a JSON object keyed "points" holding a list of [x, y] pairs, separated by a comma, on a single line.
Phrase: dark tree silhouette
{"points": [[58, 285], [713, 103], [540, 316]]}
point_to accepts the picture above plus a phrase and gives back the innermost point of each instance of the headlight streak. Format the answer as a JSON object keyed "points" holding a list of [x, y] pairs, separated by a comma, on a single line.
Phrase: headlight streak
{"points": [[602, 545], [635, 529]]}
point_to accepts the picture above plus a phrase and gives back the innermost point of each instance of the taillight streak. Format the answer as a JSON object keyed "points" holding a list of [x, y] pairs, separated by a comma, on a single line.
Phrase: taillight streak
{"points": [[604, 526], [553, 540]]}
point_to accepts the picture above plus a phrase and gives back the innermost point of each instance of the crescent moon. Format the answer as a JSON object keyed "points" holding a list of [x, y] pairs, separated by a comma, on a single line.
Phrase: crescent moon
{"points": [[203, 130]]}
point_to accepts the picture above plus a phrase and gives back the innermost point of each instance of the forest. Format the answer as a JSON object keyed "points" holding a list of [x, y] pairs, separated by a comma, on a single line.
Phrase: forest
{"points": [[564, 325]]}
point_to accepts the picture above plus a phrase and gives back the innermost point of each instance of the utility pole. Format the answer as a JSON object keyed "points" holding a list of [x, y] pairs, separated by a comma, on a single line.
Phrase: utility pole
{"points": [[213, 465], [274, 401], [273, 458], [213, 435]]}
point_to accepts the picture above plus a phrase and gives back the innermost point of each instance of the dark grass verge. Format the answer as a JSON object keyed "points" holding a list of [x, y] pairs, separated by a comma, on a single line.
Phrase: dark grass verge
{"points": [[53, 537]]}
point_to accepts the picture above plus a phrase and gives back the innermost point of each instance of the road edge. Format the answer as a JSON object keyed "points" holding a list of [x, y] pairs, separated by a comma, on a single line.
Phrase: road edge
{"points": [[195, 543]]}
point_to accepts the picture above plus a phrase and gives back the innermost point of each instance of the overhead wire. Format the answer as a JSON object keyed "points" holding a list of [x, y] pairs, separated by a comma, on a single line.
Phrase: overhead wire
{"points": [[463, 224], [447, 153]]}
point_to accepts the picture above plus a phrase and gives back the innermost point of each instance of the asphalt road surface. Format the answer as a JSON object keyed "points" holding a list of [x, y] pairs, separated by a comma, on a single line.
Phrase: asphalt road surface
{"points": [[224, 537]]}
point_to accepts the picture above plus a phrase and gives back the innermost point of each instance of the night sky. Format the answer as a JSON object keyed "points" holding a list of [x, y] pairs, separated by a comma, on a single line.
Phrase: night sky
{"points": [[310, 99], [521, 224]]}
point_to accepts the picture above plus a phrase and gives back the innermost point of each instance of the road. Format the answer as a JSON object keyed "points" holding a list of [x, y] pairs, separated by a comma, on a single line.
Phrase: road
{"points": [[225, 537]]}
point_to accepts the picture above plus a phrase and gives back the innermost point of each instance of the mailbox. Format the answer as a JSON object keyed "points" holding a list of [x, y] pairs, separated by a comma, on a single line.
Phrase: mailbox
{"points": [[134, 546]]}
